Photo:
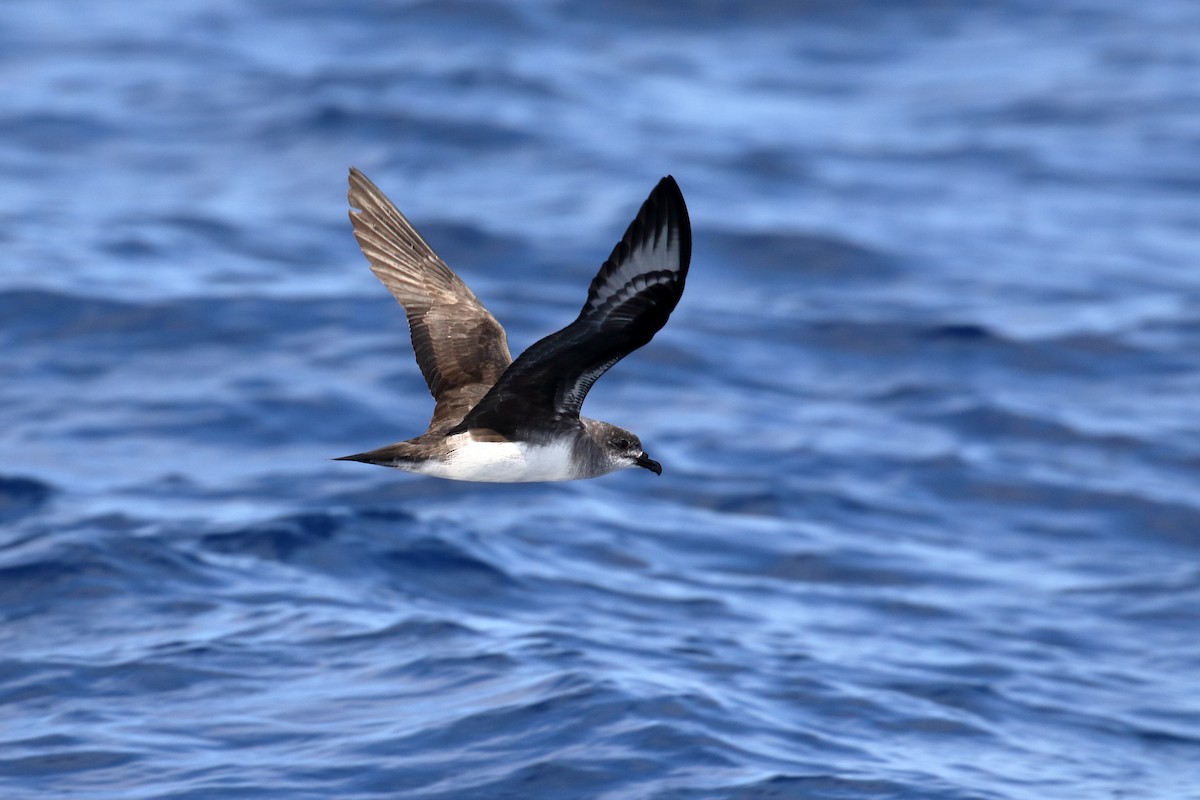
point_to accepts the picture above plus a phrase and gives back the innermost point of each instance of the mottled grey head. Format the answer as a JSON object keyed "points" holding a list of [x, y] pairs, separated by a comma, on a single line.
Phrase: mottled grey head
{"points": [[620, 447]]}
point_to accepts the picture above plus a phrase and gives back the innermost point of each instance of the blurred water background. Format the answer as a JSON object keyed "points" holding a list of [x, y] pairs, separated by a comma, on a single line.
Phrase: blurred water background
{"points": [[929, 524]]}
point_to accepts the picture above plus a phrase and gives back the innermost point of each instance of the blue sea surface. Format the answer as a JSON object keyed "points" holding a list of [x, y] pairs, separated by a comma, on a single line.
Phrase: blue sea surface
{"points": [[929, 523]]}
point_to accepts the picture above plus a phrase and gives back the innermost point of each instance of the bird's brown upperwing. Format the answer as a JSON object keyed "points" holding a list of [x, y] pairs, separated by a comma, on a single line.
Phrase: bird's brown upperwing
{"points": [[461, 349]]}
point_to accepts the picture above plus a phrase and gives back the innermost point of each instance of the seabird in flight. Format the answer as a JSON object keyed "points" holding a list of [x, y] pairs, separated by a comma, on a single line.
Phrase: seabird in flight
{"points": [[506, 421]]}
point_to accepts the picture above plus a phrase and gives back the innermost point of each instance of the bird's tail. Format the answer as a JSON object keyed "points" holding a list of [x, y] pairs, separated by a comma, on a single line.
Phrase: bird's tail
{"points": [[398, 456]]}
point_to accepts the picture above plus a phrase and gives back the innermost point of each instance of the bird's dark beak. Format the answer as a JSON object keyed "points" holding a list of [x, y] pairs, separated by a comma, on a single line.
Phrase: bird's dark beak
{"points": [[646, 462]]}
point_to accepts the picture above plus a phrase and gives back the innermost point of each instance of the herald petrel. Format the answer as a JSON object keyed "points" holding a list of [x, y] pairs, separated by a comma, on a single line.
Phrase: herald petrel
{"points": [[506, 421]]}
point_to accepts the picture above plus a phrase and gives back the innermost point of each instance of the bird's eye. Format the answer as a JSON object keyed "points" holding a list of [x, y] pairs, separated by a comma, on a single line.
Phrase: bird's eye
{"points": [[622, 444]]}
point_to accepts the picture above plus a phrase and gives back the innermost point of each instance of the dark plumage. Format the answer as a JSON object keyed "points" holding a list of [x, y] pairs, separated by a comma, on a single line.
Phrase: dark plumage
{"points": [[526, 410], [628, 302]]}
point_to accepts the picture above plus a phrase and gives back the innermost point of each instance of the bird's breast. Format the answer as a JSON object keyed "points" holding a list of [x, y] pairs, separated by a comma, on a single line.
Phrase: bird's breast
{"points": [[470, 459]]}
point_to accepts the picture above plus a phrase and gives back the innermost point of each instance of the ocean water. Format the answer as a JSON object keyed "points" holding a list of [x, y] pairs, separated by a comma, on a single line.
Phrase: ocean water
{"points": [[929, 523]]}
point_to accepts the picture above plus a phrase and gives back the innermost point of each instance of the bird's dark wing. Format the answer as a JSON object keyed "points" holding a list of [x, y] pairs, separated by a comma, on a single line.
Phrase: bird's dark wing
{"points": [[629, 301], [461, 349]]}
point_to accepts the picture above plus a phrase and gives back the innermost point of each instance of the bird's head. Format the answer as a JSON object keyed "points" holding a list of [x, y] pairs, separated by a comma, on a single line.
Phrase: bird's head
{"points": [[623, 448]]}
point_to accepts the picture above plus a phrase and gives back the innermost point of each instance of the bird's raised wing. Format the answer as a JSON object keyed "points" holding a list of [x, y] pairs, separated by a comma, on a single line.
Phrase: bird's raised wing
{"points": [[461, 349], [629, 301]]}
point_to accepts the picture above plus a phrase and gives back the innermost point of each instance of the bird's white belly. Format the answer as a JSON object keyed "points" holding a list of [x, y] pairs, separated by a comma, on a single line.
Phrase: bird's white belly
{"points": [[501, 462]]}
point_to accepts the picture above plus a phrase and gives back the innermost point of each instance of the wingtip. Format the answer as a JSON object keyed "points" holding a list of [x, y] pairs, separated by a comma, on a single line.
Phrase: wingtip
{"points": [[669, 182], [358, 183], [668, 187], [361, 190], [669, 195]]}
